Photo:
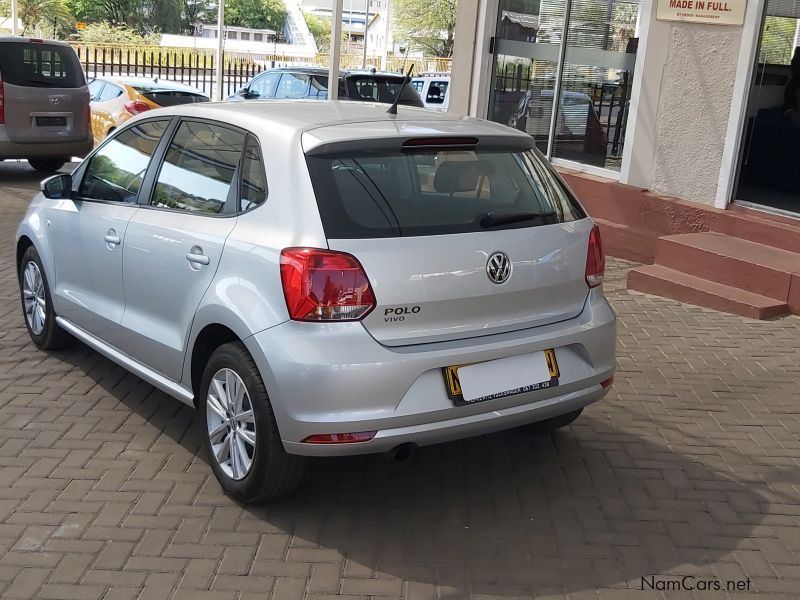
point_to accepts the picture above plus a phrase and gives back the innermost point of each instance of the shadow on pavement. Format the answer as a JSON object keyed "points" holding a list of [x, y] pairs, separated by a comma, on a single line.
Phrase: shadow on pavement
{"points": [[508, 514], [19, 174]]}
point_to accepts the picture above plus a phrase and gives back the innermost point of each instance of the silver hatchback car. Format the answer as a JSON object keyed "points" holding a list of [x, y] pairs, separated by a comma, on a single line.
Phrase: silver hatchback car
{"points": [[324, 278]]}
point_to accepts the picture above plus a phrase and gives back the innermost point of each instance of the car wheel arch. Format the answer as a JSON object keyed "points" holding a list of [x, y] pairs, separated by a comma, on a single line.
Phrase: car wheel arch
{"points": [[23, 243], [208, 339]]}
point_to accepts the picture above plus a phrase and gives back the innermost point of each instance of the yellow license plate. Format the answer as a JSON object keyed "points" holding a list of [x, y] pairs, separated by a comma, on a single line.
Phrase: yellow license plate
{"points": [[453, 385]]}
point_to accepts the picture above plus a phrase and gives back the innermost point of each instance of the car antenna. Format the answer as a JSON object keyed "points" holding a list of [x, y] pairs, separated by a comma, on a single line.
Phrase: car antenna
{"points": [[393, 108]]}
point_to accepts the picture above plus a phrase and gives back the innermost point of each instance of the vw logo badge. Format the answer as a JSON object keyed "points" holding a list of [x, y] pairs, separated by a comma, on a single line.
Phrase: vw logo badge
{"points": [[498, 268]]}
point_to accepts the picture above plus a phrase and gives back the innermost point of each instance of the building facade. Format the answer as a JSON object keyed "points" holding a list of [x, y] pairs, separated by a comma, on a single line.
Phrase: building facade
{"points": [[684, 98]]}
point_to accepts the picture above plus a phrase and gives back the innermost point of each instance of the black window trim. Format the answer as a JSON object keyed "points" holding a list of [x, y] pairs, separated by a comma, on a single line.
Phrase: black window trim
{"points": [[80, 172], [234, 193]]}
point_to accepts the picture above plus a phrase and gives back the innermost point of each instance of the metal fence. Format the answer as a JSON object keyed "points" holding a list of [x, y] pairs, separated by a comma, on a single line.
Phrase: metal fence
{"points": [[196, 67]]}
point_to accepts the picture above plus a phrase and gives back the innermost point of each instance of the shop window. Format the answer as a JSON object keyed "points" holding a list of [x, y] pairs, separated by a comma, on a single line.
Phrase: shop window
{"points": [[592, 75], [768, 174]]}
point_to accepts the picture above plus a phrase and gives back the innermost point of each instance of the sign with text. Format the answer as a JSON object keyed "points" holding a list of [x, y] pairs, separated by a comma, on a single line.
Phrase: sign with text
{"points": [[725, 12]]}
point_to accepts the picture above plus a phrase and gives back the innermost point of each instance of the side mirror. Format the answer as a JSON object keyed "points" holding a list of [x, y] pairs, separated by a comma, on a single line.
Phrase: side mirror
{"points": [[244, 93], [57, 187]]}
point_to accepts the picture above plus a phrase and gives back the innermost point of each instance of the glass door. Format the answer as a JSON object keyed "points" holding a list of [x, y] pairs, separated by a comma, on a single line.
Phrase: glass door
{"points": [[580, 51], [768, 174]]}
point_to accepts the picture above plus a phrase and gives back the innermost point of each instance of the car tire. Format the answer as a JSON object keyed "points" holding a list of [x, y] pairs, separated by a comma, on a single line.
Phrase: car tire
{"points": [[554, 423], [35, 292], [46, 165], [259, 469]]}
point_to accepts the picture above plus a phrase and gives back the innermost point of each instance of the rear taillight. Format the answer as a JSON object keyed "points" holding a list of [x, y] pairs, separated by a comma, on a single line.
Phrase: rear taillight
{"points": [[89, 109], [136, 106], [2, 105], [322, 285], [595, 259]]}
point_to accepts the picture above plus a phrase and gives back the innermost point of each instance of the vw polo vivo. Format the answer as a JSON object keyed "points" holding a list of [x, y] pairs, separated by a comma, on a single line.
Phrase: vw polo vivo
{"points": [[323, 279]]}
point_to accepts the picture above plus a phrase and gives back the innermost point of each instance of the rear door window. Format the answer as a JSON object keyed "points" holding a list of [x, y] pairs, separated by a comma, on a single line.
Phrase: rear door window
{"points": [[435, 192], [95, 88], [110, 92], [253, 189], [198, 169], [40, 65], [115, 172], [293, 85]]}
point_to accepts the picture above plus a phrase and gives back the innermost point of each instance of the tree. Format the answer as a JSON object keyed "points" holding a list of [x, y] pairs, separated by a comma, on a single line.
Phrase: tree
{"points": [[256, 14], [103, 33], [198, 11], [40, 15], [320, 28], [427, 25]]}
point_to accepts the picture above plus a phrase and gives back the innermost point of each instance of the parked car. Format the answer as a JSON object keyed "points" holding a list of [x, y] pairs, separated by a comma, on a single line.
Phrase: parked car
{"points": [[534, 111], [312, 83], [434, 89], [44, 103], [579, 133], [117, 99], [324, 279]]}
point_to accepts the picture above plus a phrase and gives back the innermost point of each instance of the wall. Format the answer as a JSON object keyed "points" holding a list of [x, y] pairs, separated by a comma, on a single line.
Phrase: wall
{"points": [[693, 108]]}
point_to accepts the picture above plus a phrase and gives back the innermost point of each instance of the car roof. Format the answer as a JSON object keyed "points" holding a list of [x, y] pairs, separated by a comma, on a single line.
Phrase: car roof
{"points": [[324, 71], [343, 120], [154, 83], [16, 38]]}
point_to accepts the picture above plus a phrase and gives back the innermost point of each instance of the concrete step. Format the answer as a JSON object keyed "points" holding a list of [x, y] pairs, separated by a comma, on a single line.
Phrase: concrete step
{"points": [[738, 263], [662, 281], [783, 234]]}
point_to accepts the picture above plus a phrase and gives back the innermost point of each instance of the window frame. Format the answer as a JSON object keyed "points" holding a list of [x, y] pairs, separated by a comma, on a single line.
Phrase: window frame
{"points": [[234, 193], [80, 172]]}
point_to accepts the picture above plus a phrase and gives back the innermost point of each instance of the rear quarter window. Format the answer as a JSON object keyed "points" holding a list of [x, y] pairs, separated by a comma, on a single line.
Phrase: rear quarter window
{"points": [[435, 192], [40, 65]]}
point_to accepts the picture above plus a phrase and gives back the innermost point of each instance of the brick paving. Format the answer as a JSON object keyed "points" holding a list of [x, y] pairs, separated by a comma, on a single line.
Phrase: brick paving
{"points": [[688, 468]]}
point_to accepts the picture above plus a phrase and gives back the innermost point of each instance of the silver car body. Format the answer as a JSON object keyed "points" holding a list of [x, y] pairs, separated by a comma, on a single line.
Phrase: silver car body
{"points": [[122, 283], [42, 117]]}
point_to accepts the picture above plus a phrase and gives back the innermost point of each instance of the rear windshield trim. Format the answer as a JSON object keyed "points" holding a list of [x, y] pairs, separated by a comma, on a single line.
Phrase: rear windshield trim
{"points": [[511, 143]]}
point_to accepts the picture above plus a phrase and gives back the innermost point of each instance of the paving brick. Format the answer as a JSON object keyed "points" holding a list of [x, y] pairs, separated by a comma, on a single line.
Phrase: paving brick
{"points": [[688, 466]]}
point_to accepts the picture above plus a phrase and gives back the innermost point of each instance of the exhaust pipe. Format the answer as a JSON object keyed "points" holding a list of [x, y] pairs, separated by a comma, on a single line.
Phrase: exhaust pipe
{"points": [[401, 453]]}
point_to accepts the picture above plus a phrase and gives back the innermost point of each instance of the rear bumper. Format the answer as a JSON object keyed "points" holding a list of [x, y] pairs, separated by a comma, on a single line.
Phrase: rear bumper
{"points": [[337, 379], [9, 149]]}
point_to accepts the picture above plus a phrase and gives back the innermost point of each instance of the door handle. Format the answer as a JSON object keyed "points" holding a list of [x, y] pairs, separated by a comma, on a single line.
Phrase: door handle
{"points": [[112, 239], [198, 259]]}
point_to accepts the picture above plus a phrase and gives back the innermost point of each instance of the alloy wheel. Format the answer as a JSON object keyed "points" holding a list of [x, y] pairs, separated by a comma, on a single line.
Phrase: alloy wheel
{"points": [[34, 300], [231, 423]]}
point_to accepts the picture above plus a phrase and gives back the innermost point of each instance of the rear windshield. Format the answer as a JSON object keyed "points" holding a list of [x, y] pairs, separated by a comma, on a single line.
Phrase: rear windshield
{"points": [[436, 192], [171, 97], [377, 88], [40, 65]]}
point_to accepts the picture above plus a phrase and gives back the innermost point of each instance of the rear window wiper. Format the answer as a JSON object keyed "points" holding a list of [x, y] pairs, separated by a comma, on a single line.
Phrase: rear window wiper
{"points": [[495, 219]]}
